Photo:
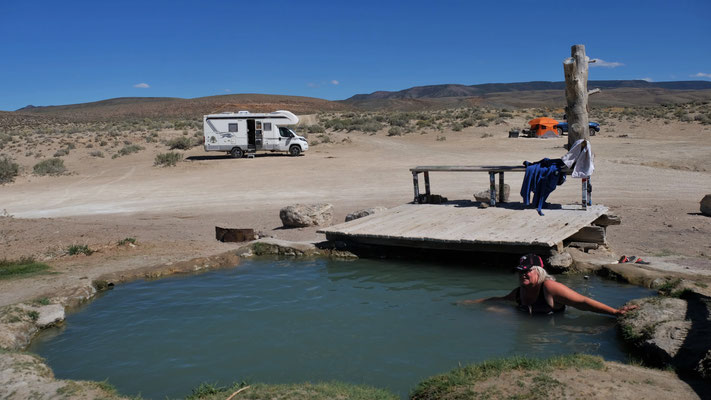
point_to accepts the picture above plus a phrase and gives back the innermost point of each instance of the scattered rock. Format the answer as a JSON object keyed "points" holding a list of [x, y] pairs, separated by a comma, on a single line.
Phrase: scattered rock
{"points": [[559, 262], [50, 315], [657, 329], [706, 205], [279, 247], [302, 215], [483, 196], [364, 213], [672, 331]]}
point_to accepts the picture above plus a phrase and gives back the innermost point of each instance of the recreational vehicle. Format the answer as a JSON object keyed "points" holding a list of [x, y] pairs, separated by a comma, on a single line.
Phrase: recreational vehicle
{"points": [[244, 132]]}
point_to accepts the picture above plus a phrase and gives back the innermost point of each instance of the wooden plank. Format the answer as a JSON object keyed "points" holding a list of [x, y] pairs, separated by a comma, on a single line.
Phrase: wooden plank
{"points": [[453, 225]]}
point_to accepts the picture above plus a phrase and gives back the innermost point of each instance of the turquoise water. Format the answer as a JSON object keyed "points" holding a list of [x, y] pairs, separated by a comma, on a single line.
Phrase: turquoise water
{"points": [[383, 323]]}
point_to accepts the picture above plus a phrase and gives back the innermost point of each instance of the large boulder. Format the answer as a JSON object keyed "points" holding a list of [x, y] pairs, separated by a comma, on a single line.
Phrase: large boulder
{"points": [[672, 331], [658, 328], [706, 205], [483, 196], [364, 213], [301, 215]]}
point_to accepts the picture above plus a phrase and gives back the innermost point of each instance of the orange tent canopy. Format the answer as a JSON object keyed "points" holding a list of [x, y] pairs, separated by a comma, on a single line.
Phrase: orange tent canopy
{"points": [[543, 121]]}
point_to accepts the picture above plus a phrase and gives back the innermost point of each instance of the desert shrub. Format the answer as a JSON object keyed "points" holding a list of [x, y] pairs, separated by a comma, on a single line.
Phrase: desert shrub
{"points": [[97, 153], [79, 249], [441, 138], [316, 128], [399, 119], [181, 143], [324, 138], [125, 241], [51, 166], [457, 127], [395, 131], [167, 159], [61, 153], [8, 169], [130, 149]]}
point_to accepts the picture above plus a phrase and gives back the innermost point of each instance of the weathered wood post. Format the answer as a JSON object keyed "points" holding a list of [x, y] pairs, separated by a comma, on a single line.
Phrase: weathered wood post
{"points": [[576, 94]]}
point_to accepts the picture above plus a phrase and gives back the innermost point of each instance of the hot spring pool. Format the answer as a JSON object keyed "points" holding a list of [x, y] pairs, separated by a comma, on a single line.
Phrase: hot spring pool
{"points": [[387, 324]]}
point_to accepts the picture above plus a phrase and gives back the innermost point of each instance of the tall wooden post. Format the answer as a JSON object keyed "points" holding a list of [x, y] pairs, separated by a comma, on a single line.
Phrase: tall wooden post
{"points": [[576, 94]]}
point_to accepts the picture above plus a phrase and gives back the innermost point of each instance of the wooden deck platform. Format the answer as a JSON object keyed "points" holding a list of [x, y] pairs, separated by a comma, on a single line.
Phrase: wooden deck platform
{"points": [[464, 226]]}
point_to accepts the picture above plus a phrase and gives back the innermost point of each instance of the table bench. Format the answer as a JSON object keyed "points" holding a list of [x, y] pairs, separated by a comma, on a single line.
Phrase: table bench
{"points": [[492, 170]]}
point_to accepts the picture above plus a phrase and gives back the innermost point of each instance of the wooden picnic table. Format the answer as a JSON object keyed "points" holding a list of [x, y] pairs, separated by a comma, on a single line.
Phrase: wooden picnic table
{"points": [[492, 170]]}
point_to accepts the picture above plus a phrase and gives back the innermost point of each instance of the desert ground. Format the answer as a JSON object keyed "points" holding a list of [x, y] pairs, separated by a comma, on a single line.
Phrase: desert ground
{"points": [[649, 172]]}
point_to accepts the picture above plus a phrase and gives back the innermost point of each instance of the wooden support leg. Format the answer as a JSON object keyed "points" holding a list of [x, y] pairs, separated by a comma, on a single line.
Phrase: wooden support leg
{"points": [[492, 189], [427, 183], [416, 185], [585, 194], [502, 195]]}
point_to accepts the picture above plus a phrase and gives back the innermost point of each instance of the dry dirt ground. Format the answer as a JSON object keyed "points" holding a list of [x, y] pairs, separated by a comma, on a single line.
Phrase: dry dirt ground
{"points": [[651, 174]]}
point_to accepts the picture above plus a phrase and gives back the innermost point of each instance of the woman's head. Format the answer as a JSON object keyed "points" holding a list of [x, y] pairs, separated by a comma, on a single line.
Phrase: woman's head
{"points": [[530, 270]]}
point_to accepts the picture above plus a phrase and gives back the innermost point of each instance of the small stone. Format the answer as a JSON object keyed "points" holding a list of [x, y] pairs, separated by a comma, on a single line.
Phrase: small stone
{"points": [[483, 196]]}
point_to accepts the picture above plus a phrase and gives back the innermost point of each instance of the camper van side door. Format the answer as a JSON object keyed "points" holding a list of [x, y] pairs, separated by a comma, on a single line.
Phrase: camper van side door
{"points": [[285, 137]]}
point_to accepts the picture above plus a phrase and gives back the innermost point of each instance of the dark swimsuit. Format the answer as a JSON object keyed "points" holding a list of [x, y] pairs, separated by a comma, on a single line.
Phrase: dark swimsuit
{"points": [[540, 306]]}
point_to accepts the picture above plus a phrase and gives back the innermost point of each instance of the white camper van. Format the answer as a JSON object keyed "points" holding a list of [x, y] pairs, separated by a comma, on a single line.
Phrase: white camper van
{"points": [[243, 133]]}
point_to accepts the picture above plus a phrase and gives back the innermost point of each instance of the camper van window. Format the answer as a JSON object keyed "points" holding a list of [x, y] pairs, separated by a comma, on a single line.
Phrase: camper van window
{"points": [[258, 125], [283, 132], [232, 127], [267, 126]]}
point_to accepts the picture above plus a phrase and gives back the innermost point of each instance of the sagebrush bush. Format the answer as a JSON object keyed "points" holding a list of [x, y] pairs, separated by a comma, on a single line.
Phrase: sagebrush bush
{"points": [[79, 249], [130, 148], [61, 152], [8, 169], [167, 159], [181, 143], [51, 166], [97, 153]]}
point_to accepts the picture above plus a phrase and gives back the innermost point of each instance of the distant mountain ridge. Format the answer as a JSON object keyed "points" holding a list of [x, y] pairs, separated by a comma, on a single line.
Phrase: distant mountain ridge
{"points": [[456, 90], [501, 95]]}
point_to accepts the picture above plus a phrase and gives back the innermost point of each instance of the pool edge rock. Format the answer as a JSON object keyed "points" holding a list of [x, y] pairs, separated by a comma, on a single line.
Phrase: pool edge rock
{"points": [[284, 248], [671, 331]]}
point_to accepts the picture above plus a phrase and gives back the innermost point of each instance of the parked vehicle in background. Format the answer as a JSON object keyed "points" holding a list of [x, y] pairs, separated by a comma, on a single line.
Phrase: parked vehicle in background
{"points": [[244, 132], [593, 127]]}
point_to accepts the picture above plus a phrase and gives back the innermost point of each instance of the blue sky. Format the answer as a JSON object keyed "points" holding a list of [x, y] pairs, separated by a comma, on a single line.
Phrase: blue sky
{"points": [[66, 52]]}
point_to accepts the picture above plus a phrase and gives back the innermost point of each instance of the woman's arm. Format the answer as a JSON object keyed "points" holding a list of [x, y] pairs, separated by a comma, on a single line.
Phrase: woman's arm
{"points": [[570, 297], [511, 296]]}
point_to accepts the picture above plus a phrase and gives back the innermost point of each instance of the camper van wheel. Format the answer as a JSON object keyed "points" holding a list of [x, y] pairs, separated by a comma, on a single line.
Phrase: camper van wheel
{"points": [[560, 131], [236, 153], [294, 151], [592, 131]]}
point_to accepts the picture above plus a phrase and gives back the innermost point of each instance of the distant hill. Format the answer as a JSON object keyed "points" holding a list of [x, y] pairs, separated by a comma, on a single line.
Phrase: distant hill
{"points": [[453, 90], [512, 95], [168, 107], [533, 94]]}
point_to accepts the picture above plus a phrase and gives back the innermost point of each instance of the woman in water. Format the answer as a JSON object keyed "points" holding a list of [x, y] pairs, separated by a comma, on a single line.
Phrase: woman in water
{"points": [[539, 293]]}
